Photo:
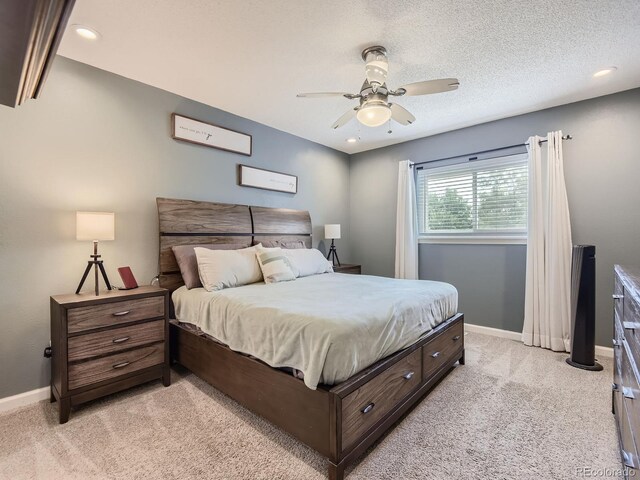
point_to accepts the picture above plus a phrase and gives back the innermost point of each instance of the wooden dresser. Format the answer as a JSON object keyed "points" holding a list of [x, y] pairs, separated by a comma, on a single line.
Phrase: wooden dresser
{"points": [[107, 343], [626, 375]]}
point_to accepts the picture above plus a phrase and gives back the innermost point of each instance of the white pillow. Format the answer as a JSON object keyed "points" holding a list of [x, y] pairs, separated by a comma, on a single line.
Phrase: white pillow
{"points": [[308, 261], [220, 269], [275, 266]]}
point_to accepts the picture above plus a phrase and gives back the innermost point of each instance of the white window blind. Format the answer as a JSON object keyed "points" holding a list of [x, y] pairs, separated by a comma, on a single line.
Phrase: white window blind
{"points": [[479, 198]]}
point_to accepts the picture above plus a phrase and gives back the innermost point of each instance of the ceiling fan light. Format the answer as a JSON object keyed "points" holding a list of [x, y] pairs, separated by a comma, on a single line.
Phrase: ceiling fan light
{"points": [[377, 67], [374, 114]]}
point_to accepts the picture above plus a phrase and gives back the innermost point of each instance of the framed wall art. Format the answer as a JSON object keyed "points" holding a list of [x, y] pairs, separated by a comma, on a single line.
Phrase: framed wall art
{"points": [[202, 133], [267, 179]]}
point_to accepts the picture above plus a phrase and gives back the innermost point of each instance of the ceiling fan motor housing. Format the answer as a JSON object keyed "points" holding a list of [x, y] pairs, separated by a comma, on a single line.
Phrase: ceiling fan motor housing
{"points": [[377, 65]]}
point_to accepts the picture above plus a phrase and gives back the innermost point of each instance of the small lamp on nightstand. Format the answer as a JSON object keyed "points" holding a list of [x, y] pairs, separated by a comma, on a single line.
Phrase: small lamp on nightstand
{"points": [[332, 231], [95, 226]]}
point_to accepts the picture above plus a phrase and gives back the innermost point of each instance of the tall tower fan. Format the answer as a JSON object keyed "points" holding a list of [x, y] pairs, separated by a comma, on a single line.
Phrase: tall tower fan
{"points": [[583, 308]]}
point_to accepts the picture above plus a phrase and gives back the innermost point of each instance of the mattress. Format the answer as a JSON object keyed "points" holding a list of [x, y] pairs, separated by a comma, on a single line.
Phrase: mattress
{"points": [[328, 326]]}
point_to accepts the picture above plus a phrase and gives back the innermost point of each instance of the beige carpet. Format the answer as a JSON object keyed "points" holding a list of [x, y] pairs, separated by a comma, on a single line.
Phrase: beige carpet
{"points": [[511, 413]]}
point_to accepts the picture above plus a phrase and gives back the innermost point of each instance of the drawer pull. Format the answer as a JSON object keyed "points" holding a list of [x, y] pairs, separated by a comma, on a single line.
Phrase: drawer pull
{"points": [[121, 365], [628, 393], [614, 387], [435, 355], [631, 325], [616, 343], [456, 338], [122, 314], [368, 408], [617, 297], [408, 375], [121, 339]]}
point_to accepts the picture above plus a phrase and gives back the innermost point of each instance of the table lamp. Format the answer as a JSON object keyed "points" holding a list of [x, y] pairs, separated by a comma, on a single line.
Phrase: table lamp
{"points": [[332, 231], [95, 226]]}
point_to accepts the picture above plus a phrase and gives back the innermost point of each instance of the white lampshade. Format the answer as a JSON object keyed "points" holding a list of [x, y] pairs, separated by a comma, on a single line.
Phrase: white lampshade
{"points": [[332, 231], [95, 226], [374, 113]]}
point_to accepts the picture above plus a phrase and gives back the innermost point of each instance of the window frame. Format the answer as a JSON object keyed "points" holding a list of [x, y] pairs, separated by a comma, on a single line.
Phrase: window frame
{"points": [[517, 237]]}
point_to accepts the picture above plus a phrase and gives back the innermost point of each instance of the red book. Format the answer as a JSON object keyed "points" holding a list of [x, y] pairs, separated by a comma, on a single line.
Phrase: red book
{"points": [[127, 278]]}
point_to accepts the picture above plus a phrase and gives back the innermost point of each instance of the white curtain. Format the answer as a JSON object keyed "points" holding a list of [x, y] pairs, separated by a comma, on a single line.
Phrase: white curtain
{"points": [[406, 224], [547, 316]]}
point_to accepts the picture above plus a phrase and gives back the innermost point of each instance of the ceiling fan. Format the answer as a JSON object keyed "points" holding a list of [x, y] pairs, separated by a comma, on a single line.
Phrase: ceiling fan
{"points": [[375, 108]]}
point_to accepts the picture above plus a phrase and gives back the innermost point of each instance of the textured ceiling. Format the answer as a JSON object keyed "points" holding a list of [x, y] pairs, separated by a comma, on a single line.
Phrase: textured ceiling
{"points": [[252, 57]]}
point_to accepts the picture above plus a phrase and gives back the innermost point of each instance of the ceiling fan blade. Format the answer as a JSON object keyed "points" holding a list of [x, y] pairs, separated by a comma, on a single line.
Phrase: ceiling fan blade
{"points": [[431, 86], [325, 94], [401, 114], [344, 119]]}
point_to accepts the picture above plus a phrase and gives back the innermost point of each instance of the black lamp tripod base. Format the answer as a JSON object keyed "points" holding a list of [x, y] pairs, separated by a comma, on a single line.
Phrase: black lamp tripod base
{"points": [[333, 254], [96, 264]]}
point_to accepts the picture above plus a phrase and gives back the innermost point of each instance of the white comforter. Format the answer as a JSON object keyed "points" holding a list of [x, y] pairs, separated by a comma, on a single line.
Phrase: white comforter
{"points": [[328, 326]]}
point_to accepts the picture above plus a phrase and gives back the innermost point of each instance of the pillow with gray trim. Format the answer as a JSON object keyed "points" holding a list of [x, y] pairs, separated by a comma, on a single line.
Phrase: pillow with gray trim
{"points": [[275, 266]]}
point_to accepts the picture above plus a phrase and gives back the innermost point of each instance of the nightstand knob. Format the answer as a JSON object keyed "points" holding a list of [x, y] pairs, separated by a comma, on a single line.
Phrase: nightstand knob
{"points": [[121, 365], [120, 340], [122, 314]]}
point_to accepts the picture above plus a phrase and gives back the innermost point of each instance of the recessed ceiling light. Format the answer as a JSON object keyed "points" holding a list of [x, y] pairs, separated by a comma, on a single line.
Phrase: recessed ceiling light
{"points": [[605, 71], [352, 140], [86, 32]]}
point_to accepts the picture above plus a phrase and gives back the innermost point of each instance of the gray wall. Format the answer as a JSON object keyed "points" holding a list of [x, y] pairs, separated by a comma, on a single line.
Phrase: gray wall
{"points": [[602, 167], [97, 141]]}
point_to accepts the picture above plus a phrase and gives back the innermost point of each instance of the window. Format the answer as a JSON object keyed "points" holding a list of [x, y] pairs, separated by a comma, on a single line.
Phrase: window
{"points": [[480, 201]]}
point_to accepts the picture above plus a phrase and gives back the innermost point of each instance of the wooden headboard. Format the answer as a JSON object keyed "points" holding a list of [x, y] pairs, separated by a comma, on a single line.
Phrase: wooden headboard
{"points": [[188, 222]]}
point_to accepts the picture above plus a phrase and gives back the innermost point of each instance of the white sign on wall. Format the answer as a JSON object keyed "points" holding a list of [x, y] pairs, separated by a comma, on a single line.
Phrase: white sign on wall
{"points": [[268, 180], [202, 133]]}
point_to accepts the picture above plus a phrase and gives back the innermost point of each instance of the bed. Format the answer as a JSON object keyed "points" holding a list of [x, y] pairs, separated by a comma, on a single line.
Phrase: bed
{"points": [[344, 403]]}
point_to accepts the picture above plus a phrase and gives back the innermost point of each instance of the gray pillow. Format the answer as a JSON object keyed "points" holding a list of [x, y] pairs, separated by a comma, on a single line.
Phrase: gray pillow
{"points": [[188, 263], [290, 244]]}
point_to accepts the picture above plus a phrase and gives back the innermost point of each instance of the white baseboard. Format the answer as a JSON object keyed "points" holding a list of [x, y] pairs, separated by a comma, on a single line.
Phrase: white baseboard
{"points": [[22, 399], [496, 332], [604, 351]]}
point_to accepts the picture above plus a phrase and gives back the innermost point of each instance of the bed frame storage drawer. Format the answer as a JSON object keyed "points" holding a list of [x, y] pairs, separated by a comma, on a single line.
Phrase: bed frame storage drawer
{"points": [[365, 406], [94, 371], [91, 345], [442, 349], [109, 314]]}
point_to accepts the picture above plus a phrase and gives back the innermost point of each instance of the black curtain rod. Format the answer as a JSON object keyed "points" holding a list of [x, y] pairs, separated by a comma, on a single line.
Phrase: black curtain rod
{"points": [[475, 154]]}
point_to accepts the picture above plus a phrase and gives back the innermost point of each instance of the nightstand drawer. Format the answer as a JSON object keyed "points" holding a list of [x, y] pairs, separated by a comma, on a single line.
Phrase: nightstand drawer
{"points": [[94, 371], [90, 345], [109, 314]]}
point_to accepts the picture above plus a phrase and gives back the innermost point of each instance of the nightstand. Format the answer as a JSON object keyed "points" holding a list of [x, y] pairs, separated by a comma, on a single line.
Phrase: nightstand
{"points": [[107, 343], [348, 268]]}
